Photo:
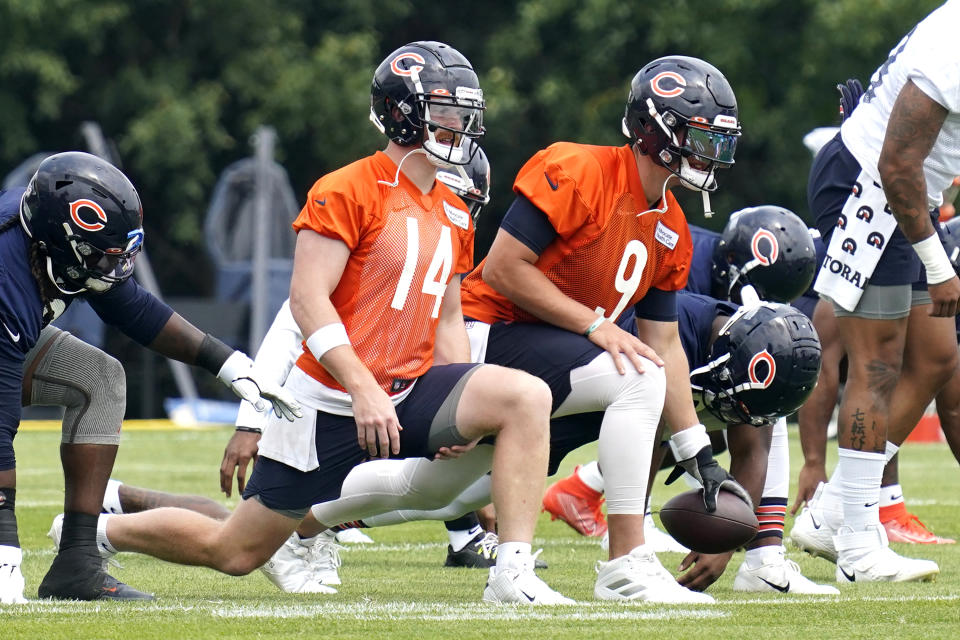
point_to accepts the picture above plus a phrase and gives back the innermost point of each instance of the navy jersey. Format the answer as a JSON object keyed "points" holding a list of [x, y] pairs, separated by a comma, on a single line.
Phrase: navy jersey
{"points": [[127, 306], [808, 300], [704, 242]]}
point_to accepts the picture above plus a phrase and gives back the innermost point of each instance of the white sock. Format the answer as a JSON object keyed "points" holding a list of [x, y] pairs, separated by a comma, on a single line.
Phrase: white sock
{"points": [[111, 498], [761, 555], [890, 495], [462, 537], [514, 555], [590, 475], [891, 450], [860, 479], [102, 539]]}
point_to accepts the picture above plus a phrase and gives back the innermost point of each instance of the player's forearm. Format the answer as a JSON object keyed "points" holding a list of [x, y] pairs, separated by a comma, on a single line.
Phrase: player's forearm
{"points": [[531, 290], [679, 411], [814, 416], [452, 344]]}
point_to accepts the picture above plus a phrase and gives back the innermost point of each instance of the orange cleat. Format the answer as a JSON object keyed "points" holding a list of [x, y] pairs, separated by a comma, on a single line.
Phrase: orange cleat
{"points": [[576, 504], [906, 527]]}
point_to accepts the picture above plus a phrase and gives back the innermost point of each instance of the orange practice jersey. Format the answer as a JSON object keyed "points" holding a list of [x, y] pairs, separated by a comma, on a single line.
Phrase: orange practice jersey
{"points": [[605, 256], [405, 247]]}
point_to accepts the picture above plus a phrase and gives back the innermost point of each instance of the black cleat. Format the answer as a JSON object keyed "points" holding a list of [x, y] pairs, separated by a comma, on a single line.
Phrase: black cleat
{"points": [[480, 553], [77, 574]]}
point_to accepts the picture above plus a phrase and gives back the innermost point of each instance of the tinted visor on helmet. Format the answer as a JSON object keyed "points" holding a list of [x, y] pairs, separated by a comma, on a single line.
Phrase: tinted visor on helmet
{"points": [[710, 144], [112, 265]]}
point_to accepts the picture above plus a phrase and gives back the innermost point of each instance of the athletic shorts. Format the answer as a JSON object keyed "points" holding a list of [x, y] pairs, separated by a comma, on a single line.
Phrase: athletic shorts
{"points": [[543, 350], [832, 178], [427, 416]]}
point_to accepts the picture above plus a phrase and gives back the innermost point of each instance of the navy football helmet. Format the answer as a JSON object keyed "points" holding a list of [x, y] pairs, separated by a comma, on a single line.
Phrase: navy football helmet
{"points": [[470, 182], [683, 109], [763, 365], [86, 218], [769, 247], [426, 88]]}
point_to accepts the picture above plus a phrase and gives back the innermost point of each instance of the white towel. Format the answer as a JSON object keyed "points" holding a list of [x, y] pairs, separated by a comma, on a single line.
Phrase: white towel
{"points": [[863, 230]]}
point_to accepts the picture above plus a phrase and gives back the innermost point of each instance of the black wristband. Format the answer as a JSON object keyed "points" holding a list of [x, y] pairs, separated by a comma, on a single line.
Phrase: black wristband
{"points": [[213, 353], [250, 429]]}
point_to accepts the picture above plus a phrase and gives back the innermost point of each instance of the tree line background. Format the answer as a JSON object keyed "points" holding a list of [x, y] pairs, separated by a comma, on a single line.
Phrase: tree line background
{"points": [[180, 85]]}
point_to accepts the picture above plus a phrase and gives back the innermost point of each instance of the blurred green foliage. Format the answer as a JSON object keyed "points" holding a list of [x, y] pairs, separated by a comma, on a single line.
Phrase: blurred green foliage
{"points": [[180, 85]]}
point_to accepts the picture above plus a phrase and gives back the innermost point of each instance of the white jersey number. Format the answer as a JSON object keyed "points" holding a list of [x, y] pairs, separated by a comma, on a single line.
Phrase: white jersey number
{"points": [[438, 273], [627, 285]]}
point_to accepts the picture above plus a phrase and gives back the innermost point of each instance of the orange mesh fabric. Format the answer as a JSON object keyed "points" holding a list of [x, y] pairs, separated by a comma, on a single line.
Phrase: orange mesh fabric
{"points": [[605, 256], [405, 249]]}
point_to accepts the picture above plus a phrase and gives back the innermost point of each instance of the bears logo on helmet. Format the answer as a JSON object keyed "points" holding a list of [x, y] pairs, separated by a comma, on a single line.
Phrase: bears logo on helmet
{"points": [[682, 112], [768, 247], [86, 217], [424, 89], [763, 365]]}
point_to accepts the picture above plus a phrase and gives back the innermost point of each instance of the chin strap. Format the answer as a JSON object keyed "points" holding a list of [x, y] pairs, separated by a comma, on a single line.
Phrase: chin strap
{"points": [[396, 177]]}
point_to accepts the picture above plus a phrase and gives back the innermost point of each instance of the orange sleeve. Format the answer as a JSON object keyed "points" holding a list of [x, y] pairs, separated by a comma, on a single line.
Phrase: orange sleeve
{"points": [[333, 214], [465, 259], [565, 182]]}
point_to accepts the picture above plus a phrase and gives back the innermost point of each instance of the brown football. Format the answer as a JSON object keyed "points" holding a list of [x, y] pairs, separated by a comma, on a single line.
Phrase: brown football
{"points": [[732, 525]]}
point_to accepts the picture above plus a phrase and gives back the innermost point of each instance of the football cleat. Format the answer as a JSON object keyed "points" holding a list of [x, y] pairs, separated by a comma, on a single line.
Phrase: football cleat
{"points": [[908, 528], [576, 504], [324, 558], [812, 531], [56, 532], [865, 556], [77, 574], [778, 575], [520, 586], [11, 578], [290, 570], [480, 553], [639, 576], [353, 536]]}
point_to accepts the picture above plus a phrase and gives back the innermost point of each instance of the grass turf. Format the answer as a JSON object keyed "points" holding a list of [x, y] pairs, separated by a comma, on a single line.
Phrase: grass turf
{"points": [[397, 587]]}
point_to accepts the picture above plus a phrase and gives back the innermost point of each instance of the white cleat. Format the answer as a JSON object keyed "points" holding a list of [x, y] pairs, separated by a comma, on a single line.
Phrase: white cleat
{"points": [[639, 576], [865, 556], [11, 578], [324, 558], [811, 532], [660, 541], [353, 536], [778, 575], [289, 569], [520, 586]]}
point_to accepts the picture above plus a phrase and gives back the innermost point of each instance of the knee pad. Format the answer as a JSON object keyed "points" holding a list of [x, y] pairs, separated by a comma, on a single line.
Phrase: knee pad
{"points": [[88, 383]]}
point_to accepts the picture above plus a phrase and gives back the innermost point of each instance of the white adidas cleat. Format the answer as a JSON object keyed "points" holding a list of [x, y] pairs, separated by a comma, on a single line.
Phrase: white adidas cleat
{"points": [[324, 558], [290, 570], [812, 532], [866, 556], [660, 541], [639, 576], [520, 586], [778, 574], [353, 536], [11, 578]]}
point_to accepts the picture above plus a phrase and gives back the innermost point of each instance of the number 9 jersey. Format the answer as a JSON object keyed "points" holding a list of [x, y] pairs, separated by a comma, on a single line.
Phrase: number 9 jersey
{"points": [[405, 248], [610, 247]]}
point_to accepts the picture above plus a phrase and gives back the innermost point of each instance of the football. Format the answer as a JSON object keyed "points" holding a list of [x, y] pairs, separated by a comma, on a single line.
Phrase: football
{"points": [[732, 525]]}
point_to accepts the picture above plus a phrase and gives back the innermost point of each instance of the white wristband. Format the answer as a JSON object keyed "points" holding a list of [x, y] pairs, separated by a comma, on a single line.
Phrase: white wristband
{"points": [[593, 327], [326, 338], [934, 258], [687, 443]]}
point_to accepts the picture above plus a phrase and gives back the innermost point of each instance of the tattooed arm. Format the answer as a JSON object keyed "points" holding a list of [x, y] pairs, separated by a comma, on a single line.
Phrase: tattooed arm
{"points": [[913, 128]]}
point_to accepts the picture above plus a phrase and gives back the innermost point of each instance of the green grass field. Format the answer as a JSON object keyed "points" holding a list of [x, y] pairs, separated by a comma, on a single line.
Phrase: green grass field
{"points": [[398, 587]]}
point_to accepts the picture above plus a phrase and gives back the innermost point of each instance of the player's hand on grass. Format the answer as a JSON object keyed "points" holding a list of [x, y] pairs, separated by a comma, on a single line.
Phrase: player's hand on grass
{"points": [[378, 428], [241, 449], [810, 476], [618, 343], [702, 569]]}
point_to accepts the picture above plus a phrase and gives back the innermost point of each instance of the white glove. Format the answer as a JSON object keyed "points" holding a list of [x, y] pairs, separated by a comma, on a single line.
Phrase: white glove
{"points": [[243, 378]]}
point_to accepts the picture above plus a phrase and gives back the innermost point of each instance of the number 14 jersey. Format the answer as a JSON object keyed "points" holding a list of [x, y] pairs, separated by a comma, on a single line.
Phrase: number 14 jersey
{"points": [[609, 249], [405, 247]]}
